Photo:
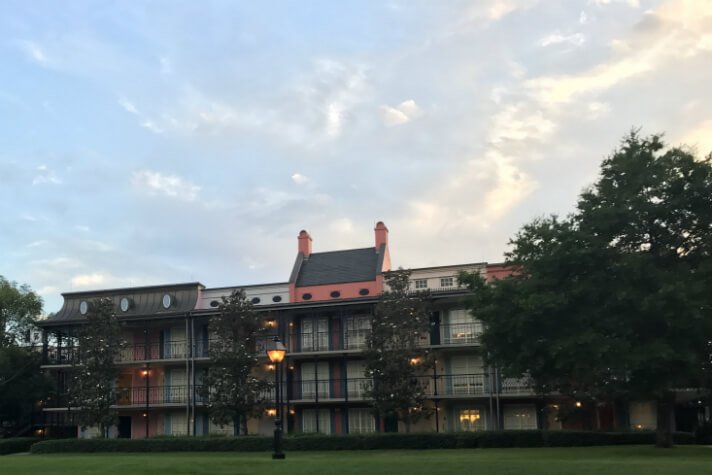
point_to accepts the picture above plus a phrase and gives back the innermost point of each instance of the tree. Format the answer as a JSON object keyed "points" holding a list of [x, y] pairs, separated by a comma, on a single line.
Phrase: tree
{"points": [[94, 373], [234, 393], [21, 381], [395, 359], [19, 309], [613, 300]]}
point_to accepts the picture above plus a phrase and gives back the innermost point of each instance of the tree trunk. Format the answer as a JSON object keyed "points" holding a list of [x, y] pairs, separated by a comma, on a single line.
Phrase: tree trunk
{"points": [[244, 425], [665, 413]]}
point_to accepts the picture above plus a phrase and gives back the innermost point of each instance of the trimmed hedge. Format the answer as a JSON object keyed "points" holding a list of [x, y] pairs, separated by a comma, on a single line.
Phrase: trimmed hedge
{"points": [[357, 442], [16, 445]]}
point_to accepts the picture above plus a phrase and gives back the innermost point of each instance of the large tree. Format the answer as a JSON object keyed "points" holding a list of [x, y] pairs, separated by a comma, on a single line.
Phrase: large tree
{"points": [[613, 300], [234, 392], [92, 383], [20, 308], [396, 361], [22, 383]]}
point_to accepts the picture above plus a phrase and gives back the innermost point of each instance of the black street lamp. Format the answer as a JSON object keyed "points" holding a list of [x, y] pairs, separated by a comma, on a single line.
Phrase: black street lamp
{"points": [[276, 353]]}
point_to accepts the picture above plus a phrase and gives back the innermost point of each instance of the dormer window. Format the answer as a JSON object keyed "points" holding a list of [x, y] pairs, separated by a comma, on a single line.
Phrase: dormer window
{"points": [[447, 282]]}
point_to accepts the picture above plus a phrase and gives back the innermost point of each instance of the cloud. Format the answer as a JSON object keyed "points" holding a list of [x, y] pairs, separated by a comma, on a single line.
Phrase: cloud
{"points": [[128, 106], [401, 114], [85, 280], [46, 176], [630, 3], [34, 52], [299, 179], [699, 137], [171, 186], [556, 37]]}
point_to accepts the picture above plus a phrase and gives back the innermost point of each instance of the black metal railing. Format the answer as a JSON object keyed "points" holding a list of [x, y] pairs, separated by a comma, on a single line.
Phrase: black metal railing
{"points": [[142, 396], [460, 334]]}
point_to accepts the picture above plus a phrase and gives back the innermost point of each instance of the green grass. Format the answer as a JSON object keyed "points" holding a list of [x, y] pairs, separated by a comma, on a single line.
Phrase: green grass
{"points": [[550, 461]]}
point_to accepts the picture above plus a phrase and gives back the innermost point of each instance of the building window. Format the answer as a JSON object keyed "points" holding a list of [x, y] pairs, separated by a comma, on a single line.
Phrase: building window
{"points": [[421, 283], [309, 421], [447, 282], [643, 416], [361, 421], [471, 420], [520, 418]]}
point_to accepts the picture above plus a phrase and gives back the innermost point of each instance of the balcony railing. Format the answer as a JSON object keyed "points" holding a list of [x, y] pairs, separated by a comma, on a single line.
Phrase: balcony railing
{"points": [[460, 333], [141, 396], [356, 339]]}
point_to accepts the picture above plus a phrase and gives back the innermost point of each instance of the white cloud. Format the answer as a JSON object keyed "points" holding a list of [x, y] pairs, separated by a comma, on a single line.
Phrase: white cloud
{"points": [[401, 114], [596, 110], [583, 18], [128, 106], [172, 186], [299, 179], [699, 137], [630, 3], [516, 123], [556, 37], [46, 175], [85, 280], [34, 52]]}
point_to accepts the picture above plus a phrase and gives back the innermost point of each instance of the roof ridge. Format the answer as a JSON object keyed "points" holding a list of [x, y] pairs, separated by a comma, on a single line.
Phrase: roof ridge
{"points": [[343, 250]]}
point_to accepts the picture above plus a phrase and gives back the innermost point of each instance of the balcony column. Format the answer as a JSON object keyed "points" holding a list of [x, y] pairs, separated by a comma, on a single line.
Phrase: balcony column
{"points": [[45, 346], [345, 379], [59, 347], [148, 377], [316, 390], [435, 395], [191, 381]]}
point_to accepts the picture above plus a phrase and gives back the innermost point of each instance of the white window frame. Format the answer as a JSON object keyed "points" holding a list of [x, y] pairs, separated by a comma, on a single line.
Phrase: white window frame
{"points": [[361, 421], [420, 283], [447, 282]]}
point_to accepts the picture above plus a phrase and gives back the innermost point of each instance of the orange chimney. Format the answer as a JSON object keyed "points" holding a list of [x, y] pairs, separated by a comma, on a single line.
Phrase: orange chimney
{"points": [[381, 234], [305, 243]]}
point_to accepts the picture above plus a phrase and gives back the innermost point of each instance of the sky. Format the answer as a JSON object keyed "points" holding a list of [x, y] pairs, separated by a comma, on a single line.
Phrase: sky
{"points": [[160, 142]]}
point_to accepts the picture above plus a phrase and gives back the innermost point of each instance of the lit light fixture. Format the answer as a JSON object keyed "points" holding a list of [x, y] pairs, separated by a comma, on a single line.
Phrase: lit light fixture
{"points": [[271, 412], [415, 361], [144, 372], [292, 412], [270, 367], [276, 352], [271, 323], [578, 404], [145, 414]]}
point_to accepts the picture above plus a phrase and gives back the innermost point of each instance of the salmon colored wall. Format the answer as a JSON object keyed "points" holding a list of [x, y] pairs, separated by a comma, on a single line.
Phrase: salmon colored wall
{"points": [[498, 271], [349, 290], [336, 380], [138, 425], [138, 382]]}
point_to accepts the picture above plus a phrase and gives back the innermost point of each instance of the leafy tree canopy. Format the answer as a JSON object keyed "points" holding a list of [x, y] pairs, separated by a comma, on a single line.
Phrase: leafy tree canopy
{"points": [[613, 300], [234, 392], [395, 357], [19, 309]]}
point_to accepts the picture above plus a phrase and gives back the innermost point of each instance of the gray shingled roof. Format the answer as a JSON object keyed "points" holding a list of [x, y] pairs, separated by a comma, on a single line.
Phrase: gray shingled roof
{"points": [[353, 265]]}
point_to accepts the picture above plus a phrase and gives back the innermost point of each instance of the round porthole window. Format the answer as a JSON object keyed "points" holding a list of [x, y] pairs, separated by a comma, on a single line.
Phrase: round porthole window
{"points": [[167, 301], [276, 299], [83, 307], [335, 294], [255, 300], [307, 296], [125, 304], [214, 303], [363, 292]]}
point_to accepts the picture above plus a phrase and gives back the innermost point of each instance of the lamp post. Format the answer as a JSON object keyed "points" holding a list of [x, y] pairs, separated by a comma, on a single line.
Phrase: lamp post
{"points": [[276, 353]]}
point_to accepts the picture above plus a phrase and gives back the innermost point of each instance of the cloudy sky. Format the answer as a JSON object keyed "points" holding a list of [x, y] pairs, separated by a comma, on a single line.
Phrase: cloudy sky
{"points": [[155, 142]]}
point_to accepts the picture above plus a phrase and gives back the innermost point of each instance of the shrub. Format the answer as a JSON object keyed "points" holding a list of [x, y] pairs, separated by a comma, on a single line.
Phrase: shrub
{"points": [[16, 445], [417, 441]]}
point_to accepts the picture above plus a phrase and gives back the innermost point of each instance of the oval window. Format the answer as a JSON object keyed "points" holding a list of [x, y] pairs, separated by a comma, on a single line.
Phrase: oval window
{"points": [[335, 294], [276, 298], [255, 300], [363, 292], [214, 303], [307, 296]]}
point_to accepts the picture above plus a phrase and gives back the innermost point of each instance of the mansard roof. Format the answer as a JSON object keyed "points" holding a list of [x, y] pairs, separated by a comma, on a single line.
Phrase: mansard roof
{"points": [[334, 267]]}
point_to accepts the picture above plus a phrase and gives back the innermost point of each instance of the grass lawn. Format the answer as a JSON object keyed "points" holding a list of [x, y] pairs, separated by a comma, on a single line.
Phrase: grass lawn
{"points": [[601, 460]]}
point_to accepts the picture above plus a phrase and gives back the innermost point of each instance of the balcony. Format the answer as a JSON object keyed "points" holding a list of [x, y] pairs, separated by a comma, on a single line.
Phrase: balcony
{"points": [[141, 396], [460, 334]]}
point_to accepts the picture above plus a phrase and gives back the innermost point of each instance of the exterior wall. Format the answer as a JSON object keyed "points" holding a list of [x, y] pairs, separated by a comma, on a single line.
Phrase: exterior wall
{"points": [[433, 274], [265, 293], [349, 290], [498, 271]]}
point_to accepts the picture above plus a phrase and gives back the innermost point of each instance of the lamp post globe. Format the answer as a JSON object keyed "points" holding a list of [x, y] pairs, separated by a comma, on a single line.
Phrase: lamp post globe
{"points": [[276, 353]]}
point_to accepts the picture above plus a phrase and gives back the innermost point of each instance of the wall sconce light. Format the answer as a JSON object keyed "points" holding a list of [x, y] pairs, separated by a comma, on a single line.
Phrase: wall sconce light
{"points": [[292, 412], [271, 323], [415, 361], [144, 373], [271, 412], [145, 414], [578, 404], [270, 367]]}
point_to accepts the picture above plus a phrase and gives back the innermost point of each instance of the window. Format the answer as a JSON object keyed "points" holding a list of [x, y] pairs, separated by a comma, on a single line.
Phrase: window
{"points": [[310, 423], [471, 420], [356, 332], [421, 283], [520, 418], [447, 282], [643, 416], [315, 334], [361, 421], [315, 378]]}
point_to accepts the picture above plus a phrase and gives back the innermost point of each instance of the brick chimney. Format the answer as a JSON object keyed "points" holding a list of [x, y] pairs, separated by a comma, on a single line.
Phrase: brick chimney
{"points": [[381, 234], [305, 243]]}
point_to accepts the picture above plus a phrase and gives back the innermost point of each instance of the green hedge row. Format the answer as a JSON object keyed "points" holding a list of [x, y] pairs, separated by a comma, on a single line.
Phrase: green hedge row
{"points": [[355, 442], [16, 445]]}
